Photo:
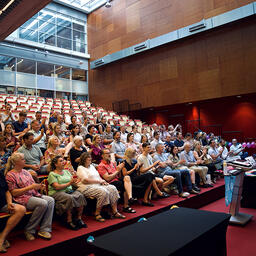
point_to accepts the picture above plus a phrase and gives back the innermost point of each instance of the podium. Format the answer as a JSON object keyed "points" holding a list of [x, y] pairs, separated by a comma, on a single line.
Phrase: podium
{"points": [[237, 217]]}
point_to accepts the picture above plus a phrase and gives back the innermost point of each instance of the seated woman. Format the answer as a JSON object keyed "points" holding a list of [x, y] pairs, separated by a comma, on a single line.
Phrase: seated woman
{"points": [[75, 131], [96, 149], [60, 188], [178, 164], [201, 154], [131, 143], [4, 153], [77, 151], [60, 135], [16, 211], [144, 139], [25, 191], [11, 141], [141, 184], [53, 150], [92, 185]]}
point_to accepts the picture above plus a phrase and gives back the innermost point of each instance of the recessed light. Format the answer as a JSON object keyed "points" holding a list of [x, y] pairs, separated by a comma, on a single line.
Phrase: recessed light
{"points": [[190, 103], [239, 96]]}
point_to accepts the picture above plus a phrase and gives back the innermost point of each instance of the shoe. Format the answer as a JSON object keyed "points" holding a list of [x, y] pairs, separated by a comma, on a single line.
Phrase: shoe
{"points": [[44, 235], [72, 226], [131, 201], [195, 187], [2, 249], [192, 191], [175, 191], [184, 194], [81, 224], [99, 218], [147, 204], [128, 210], [207, 186], [29, 236], [6, 244], [118, 215], [164, 195]]}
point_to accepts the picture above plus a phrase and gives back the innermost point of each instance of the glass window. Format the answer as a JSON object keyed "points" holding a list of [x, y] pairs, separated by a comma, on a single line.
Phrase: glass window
{"points": [[47, 39], [30, 24], [7, 89], [64, 32], [7, 63], [26, 91], [78, 27], [64, 43], [28, 34], [62, 72], [45, 69], [64, 21], [26, 66], [45, 93], [46, 15], [46, 27], [79, 74]]}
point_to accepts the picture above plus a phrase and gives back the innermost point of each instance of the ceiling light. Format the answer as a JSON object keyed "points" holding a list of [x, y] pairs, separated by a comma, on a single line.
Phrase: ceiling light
{"points": [[108, 4], [239, 96]]}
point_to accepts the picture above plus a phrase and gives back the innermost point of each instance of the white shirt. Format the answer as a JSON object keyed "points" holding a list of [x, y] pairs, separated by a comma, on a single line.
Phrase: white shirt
{"points": [[124, 137], [87, 173], [41, 143], [155, 142], [224, 153], [137, 137]]}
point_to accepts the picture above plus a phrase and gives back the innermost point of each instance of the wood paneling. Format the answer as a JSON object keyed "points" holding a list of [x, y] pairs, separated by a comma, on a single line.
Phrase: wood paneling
{"points": [[213, 64], [129, 22]]}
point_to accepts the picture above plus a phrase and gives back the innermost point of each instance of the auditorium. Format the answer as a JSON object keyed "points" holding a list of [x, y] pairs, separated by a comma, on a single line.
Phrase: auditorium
{"points": [[127, 127]]}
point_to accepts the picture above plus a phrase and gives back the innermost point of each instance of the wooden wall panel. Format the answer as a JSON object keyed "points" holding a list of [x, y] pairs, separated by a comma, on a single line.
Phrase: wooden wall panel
{"points": [[213, 64], [129, 22]]}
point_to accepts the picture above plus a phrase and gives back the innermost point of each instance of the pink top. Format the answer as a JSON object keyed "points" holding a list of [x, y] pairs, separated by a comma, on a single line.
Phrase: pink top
{"points": [[22, 179]]}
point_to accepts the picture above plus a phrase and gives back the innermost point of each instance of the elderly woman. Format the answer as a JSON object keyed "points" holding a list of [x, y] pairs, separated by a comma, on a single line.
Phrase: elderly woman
{"points": [[60, 188], [53, 150], [141, 184], [92, 185], [96, 149], [77, 151], [25, 191], [16, 211]]}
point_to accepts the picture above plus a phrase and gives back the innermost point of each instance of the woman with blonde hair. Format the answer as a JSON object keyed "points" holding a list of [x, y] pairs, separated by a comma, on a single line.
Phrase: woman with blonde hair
{"points": [[141, 184], [25, 191], [60, 188], [92, 185], [59, 134], [53, 150]]}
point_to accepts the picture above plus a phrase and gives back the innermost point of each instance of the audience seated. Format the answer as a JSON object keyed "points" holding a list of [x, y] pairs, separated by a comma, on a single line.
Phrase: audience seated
{"points": [[117, 147], [130, 143], [7, 116], [237, 150], [61, 188], [26, 192], [39, 136], [20, 126], [92, 185], [96, 149], [179, 143], [108, 135], [11, 141]]}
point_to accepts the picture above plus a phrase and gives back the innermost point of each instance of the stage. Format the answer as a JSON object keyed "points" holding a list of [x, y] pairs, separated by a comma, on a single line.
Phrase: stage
{"points": [[64, 241]]}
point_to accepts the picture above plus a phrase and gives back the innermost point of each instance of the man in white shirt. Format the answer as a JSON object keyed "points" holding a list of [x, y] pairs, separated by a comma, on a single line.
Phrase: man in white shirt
{"points": [[123, 134], [137, 136], [236, 149], [39, 136], [156, 140]]}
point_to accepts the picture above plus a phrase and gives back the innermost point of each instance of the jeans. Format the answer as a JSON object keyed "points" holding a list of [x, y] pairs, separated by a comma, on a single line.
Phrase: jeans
{"points": [[177, 175], [42, 208]]}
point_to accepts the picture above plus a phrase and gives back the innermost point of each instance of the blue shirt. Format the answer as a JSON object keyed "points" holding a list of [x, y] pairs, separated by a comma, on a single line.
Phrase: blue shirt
{"points": [[179, 143], [53, 119], [163, 157], [189, 157], [19, 127]]}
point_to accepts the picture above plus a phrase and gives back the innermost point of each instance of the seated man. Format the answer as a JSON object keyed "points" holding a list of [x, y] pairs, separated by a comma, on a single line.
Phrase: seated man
{"points": [[179, 142], [237, 150], [147, 165], [168, 143], [137, 135], [17, 212], [165, 169], [112, 173], [156, 140], [215, 154], [117, 147], [20, 126], [39, 135], [191, 163], [33, 156]]}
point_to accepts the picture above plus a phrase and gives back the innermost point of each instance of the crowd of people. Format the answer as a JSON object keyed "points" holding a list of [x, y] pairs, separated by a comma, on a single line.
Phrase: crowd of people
{"points": [[97, 161]]}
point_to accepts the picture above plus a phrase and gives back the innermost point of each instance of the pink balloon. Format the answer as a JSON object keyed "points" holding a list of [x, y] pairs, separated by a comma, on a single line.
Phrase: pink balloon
{"points": [[248, 145], [253, 145], [244, 144]]}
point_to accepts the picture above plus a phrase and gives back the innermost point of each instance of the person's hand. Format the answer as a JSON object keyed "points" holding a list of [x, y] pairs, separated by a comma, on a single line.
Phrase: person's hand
{"points": [[36, 186], [10, 114], [198, 161], [48, 132], [43, 120], [121, 166], [42, 131], [26, 130], [35, 167], [103, 183], [10, 144], [156, 163], [137, 166], [182, 161], [10, 207]]}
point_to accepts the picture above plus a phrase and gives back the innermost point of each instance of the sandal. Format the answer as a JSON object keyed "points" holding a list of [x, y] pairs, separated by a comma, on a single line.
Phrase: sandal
{"points": [[2, 249], [6, 244], [118, 215], [129, 210], [99, 218]]}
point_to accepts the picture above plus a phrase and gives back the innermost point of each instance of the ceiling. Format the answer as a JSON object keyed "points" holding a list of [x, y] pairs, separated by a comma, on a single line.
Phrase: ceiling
{"points": [[13, 13]]}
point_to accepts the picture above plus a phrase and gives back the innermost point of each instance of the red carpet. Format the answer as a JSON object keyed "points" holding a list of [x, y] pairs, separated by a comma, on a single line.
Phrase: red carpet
{"points": [[240, 240], [60, 233]]}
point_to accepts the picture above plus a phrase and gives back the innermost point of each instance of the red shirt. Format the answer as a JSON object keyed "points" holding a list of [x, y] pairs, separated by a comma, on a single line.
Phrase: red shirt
{"points": [[108, 168]]}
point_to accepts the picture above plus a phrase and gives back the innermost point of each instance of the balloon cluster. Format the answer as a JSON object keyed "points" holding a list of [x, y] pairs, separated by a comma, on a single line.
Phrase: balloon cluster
{"points": [[249, 145]]}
